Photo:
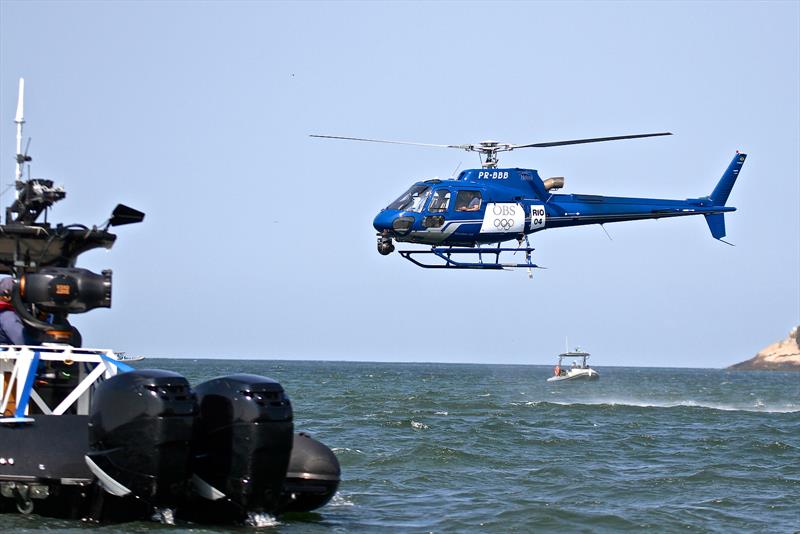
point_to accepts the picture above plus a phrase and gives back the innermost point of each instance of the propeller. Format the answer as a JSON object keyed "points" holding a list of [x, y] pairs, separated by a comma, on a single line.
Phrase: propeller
{"points": [[384, 141], [490, 148]]}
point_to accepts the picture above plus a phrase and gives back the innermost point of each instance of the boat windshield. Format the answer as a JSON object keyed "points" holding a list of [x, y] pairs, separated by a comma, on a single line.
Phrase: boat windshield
{"points": [[412, 200]]}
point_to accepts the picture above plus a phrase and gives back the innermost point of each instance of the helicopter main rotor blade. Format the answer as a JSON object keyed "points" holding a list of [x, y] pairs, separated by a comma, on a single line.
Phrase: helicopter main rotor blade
{"points": [[384, 141], [592, 140]]}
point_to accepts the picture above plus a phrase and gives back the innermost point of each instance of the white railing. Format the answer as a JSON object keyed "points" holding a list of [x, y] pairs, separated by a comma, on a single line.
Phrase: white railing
{"points": [[20, 371]]}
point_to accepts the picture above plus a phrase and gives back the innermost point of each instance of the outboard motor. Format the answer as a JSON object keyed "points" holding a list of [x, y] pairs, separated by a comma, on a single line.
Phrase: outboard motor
{"points": [[313, 476], [242, 444], [140, 431]]}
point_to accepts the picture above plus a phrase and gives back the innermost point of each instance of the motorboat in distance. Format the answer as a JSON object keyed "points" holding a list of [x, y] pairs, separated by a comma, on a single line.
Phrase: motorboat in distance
{"points": [[123, 357], [572, 366]]}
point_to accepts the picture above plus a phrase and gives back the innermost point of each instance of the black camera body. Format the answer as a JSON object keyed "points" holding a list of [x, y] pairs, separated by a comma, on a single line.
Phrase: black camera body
{"points": [[44, 298], [66, 290]]}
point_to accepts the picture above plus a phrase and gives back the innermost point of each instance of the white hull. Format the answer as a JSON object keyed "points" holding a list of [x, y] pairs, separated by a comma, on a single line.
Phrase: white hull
{"points": [[130, 358], [576, 374]]}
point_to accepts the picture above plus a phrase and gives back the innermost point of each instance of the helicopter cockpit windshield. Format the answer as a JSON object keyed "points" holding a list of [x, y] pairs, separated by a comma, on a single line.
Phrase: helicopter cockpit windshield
{"points": [[412, 200]]}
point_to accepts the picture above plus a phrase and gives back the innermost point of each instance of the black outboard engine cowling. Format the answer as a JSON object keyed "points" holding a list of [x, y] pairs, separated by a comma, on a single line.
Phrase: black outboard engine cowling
{"points": [[140, 431], [242, 444], [312, 478]]}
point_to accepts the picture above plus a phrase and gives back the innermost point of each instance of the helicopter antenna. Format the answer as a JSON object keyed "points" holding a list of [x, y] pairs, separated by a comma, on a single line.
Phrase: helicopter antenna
{"points": [[489, 149], [606, 231], [456, 170]]}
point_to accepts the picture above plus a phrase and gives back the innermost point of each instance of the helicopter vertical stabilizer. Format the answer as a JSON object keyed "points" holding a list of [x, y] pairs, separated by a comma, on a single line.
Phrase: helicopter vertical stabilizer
{"points": [[716, 221], [720, 195]]}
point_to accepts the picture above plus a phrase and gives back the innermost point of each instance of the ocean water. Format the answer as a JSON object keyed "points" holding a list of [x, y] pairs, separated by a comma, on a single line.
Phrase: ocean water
{"points": [[495, 448]]}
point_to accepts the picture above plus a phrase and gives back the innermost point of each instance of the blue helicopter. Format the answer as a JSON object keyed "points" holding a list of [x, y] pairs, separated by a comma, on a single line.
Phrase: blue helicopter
{"points": [[459, 217]]}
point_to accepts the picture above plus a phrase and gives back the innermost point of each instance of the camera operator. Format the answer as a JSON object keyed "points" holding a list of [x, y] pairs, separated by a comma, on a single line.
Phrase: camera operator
{"points": [[12, 331]]}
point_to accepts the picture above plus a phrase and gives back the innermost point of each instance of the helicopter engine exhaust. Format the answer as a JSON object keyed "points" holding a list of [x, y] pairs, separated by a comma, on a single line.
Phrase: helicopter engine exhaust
{"points": [[554, 184]]}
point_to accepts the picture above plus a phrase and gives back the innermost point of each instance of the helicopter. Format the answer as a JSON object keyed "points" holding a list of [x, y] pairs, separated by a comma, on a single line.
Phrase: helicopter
{"points": [[459, 217]]}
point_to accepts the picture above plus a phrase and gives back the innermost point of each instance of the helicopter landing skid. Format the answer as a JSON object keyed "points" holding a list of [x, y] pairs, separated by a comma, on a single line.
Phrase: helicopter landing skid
{"points": [[446, 254]]}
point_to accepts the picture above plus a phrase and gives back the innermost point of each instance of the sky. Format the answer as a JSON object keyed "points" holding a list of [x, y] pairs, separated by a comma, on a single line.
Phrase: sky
{"points": [[258, 239]]}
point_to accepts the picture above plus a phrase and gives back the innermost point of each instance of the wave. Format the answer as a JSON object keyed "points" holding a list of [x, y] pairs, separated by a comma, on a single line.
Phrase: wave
{"points": [[757, 407], [341, 500], [345, 450]]}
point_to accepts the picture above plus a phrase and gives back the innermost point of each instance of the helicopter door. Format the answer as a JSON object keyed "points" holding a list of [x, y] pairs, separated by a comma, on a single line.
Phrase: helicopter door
{"points": [[440, 203]]}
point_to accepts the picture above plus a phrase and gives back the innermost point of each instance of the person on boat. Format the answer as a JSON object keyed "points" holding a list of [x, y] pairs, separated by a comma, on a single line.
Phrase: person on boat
{"points": [[12, 331]]}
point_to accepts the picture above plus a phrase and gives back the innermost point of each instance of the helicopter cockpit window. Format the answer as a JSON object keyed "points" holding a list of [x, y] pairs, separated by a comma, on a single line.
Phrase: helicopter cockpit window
{"points": [[412, 200], [468, 201], [440, 200]]}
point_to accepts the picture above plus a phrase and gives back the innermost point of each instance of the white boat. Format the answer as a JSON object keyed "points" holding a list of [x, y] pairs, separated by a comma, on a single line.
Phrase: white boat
{"points": [[572, 366], [121, 356]]}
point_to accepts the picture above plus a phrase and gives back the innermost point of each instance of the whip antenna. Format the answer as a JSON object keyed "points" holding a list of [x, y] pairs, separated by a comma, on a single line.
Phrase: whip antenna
{"points": [[34, 195], [19, 120]]}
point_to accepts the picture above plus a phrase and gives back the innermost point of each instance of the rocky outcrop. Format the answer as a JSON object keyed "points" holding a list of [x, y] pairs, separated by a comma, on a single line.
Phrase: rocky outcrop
{"points": [[781, 356]]}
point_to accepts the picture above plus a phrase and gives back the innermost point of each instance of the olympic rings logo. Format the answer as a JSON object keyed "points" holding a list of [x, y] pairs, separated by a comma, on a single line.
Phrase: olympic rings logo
{"points": [[504, 224]]}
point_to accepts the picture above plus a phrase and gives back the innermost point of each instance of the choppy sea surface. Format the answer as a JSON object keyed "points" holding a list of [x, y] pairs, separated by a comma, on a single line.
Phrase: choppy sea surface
{"points": [[495, 448]]}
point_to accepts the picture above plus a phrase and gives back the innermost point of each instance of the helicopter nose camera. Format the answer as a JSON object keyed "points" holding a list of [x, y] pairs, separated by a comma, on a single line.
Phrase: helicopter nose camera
{"points": [[385, 246], [63, 290]]}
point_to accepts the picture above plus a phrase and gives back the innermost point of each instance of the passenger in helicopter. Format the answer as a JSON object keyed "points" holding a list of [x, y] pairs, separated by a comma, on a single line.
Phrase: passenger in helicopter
{"points": [[468, 201], [12, 331]]}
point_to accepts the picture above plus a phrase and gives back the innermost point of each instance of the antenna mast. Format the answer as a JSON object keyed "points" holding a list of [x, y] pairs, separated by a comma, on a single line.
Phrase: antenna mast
{"points": [[34, 195], [19, 120]]}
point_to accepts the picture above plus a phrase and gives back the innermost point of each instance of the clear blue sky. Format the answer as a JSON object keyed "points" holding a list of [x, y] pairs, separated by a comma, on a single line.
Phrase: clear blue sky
{"points": [[258, 239]]}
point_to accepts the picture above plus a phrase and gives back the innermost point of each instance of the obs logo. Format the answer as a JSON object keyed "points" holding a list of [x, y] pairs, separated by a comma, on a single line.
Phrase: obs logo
{"points": [[504, 216]]}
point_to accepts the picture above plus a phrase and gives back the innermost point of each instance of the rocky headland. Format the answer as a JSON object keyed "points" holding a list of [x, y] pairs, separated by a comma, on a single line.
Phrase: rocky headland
{"points": [[781, 356]]}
